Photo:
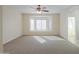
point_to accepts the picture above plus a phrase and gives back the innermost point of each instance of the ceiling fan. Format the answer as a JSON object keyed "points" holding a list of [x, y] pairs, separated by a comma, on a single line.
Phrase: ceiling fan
{"points": [[41, 8]]}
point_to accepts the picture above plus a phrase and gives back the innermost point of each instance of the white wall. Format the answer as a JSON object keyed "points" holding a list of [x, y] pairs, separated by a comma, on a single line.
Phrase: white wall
{"points": [[55, 25], [1, 48], [63, 25], [11, 24]]}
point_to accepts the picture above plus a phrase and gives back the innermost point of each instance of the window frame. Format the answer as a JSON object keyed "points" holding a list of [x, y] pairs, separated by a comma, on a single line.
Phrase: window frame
{"points": [[48, 21]]}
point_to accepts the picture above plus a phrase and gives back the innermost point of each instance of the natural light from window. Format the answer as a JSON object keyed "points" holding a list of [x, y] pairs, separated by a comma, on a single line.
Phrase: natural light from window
{"points": [[71, 29], [39, 39], [40, 24]]}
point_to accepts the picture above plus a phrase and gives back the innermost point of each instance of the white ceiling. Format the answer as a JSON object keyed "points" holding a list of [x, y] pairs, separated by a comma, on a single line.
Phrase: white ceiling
{"points": [[32, 8]]}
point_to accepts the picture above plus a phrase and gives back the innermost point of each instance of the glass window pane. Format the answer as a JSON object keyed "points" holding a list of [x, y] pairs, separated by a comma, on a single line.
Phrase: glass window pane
{"points": [[38, 25], [44, 25]]}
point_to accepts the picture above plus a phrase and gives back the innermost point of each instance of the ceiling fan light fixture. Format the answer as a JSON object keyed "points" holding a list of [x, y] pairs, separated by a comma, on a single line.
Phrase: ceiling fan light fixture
{"points": [[39, 12]]}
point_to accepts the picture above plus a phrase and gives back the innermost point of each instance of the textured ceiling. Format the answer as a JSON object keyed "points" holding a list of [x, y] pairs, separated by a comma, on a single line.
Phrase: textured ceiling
{"points": [[32, 8]]}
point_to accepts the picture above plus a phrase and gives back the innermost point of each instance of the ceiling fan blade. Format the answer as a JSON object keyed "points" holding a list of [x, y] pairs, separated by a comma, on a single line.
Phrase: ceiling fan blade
{"points": [[45, 10]]}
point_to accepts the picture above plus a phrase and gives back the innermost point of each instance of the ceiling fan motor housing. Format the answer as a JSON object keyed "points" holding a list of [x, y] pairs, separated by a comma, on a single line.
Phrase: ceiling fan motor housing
{"points": [[39, 8]]}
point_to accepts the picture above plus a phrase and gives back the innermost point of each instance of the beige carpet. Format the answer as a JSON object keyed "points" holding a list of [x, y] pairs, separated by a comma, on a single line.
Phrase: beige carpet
{"points": [[40, 45]]}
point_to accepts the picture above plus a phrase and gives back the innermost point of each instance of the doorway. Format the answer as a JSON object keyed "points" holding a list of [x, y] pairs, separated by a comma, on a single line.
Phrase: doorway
{"points": [[71, 29]]}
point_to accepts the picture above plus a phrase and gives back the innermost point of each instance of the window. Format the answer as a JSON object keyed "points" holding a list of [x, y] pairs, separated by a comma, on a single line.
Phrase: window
{"points": [[40, 24], [71, 29], [71, 25]]}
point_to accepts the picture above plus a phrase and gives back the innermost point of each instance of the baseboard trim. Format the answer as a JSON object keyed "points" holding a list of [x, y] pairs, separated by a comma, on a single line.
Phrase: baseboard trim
{"points": [[12, 39]]}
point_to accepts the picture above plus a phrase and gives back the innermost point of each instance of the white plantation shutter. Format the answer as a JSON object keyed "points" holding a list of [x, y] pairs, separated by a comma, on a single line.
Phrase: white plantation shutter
{"points": [[40, 24]]}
